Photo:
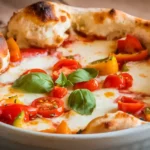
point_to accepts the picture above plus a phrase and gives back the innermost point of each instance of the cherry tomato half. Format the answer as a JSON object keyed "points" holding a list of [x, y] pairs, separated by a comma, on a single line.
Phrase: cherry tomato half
{"points": [[59, 92], [34, 70], [32, 111], [66, 66], [91, 85], [8, 113], [49, 106], [114, 81], [130, 105], [121, 81], [128, 79], [130, 45]]}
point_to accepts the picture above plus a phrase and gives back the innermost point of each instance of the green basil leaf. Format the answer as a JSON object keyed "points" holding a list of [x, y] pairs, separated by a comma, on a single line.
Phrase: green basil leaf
{"points": [[62, 81], [34, 83], [69, 83], [82, 75], [82, 101]]}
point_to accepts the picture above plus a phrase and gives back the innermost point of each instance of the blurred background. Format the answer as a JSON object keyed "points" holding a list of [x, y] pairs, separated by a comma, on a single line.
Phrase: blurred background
{"points": [[139, 8]]}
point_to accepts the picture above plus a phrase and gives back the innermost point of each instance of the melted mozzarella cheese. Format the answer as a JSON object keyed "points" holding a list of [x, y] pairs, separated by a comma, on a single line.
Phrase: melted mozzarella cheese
{"points": [[104, 104], [89, 51], [27, 98], [41, 62], [140, 72]]}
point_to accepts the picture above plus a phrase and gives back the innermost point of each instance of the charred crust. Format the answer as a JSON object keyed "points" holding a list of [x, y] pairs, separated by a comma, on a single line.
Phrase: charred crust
{"points": [[112, 12], [42, 10]]}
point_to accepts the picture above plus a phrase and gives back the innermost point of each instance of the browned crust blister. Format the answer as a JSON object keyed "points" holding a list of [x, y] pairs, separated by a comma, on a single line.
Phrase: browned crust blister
{"points": [[43, 11]]}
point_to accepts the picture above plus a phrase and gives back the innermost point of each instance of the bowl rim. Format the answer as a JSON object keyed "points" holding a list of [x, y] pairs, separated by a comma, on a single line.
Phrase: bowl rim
{"points": [[119, 133]]}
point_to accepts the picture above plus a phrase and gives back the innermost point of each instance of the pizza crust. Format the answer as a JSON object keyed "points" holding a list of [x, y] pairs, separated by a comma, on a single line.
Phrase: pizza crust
{"points": [[112, 122], [44, 24], [4, 54], [40, 25]]}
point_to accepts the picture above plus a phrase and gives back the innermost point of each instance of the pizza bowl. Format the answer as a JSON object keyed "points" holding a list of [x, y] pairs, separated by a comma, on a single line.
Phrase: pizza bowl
{"points": [[134, 138], [52, 86]]}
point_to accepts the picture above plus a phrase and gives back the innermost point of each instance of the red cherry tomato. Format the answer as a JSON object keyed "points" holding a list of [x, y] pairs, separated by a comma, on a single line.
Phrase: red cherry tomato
{"points": [[59, 92], [114, 81], [130, 45], [34, 70], [130, 105], [121, 81], [91, 85], [9, 113], [32, 111], [66, 66], [29, 52], [128, 79], [49, 106]]}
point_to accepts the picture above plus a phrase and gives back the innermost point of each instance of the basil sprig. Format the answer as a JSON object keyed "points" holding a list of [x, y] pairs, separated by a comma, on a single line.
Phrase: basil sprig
{"points": [[82, 75], [34, 83], [63, 81], [82, 101]]}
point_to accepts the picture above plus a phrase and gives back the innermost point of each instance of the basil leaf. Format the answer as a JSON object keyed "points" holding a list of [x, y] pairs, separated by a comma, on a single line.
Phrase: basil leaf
{"points": [[82, 75], [82, 101], [34, 83], [62, 81]]}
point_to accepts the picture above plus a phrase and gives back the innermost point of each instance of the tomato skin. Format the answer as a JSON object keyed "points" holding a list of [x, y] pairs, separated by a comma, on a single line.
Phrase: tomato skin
{"points": [[49, 106], [66, 66], [32, 111], [91, 85], [130, 45], [29, 52], [121, 81], [10, 112], [130, 105], [69, 63], [114, 81], [128, 79], [34, 70], [59, 92]]}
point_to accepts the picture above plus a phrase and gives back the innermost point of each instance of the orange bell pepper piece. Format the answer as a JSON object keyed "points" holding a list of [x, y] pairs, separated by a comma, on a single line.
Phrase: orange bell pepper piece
{"points": [[132, 57], [63, 128], [15, 54]]}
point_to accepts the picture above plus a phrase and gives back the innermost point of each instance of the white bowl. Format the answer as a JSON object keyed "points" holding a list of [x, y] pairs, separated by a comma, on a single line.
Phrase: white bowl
{"points": [[130, 139], [138, 138]]}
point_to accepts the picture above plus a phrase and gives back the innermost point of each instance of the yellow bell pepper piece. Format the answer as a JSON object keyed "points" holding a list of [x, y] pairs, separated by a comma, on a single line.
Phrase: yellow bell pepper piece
{"points": [[13, 100], [105, 66]]}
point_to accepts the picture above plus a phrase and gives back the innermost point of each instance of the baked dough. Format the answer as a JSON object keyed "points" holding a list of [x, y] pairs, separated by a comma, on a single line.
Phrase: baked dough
{"points": [[45, 24], [112, 122]]}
